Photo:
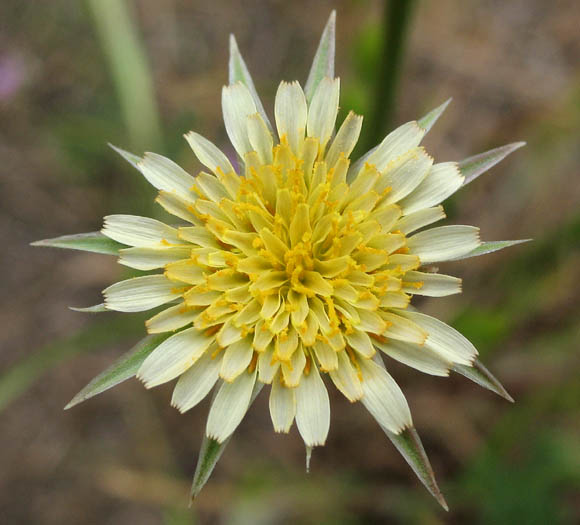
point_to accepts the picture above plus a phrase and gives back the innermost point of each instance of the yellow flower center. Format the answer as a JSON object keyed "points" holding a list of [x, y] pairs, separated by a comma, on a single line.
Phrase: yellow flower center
{"points": [[294, 259]]}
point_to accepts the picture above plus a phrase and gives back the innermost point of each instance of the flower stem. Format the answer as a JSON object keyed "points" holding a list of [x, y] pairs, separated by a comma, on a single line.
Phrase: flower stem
{"points": [[129, 69], [397, 17]]}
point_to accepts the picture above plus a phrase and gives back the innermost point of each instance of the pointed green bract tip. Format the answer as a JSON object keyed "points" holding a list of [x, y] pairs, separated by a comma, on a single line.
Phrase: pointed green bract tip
{"points": [[409, 445], [238, 72], [473, 167], [129, 157], [308, 458], [210, 453], [90, 309], [94, 242], [430, 118], [323, 63], [489, 247], [482, 376], [124, 368]]}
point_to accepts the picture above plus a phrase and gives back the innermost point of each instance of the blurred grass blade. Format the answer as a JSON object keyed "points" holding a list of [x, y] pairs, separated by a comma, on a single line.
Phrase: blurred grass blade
{"points": [[129, 157], [430, 118], [21, 376], [238, 72], [490, 247], [87, 242], [397, 17], [132, 77], [210, 453], [323, 63], [124, 368], [483, 377], [473, 167], [97, 308], [410, 447]]}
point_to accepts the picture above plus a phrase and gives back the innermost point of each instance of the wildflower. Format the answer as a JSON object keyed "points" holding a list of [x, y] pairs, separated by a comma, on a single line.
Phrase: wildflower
{"points": [[297, 268]]}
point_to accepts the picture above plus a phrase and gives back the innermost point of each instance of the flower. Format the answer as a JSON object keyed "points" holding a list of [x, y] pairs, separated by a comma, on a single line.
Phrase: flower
{"points": [[294, 269]]}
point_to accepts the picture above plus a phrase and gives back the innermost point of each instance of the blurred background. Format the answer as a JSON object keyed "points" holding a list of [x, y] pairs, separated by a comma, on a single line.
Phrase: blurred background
{"points": [[139, 74]]}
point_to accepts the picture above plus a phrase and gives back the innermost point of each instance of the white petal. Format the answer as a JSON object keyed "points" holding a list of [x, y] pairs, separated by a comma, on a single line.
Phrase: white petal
{"points": [[431, 284], [403, 329], [171, 319], [419, 357], [175, 205], [361, 342], [237, 105], [186, 271], [399, 141], [266, 367], [282, 406], [237, 358], [404, 174], [142, 232], [323, 110], [292, 370], [419, 219], [442, 181], [443, 243], [151, 258], [198, 235], [228, 334], [195, 384], [291, 113], [165, 175], [140, 293], [312, 409], [345, 378], [443, 339], [383, 398], [260, 138], [211, 187], [173, 357], [326, 356], [345, 140], [230, 406], [208, 153]]}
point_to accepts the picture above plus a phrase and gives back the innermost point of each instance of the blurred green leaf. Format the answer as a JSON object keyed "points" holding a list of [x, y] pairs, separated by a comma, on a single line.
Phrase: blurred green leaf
{"points": [[525, 487], [88, 242], [484, 328], [21, 376], [397, 16], [124, 368], [130, 70]]}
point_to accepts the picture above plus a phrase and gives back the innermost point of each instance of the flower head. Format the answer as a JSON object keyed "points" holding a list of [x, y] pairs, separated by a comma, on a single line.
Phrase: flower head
{"points": [[294, 268]]}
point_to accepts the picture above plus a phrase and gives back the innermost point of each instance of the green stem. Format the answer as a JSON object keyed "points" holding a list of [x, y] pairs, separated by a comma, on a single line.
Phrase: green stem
{"points": [[130, 71], [397, 17]]}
